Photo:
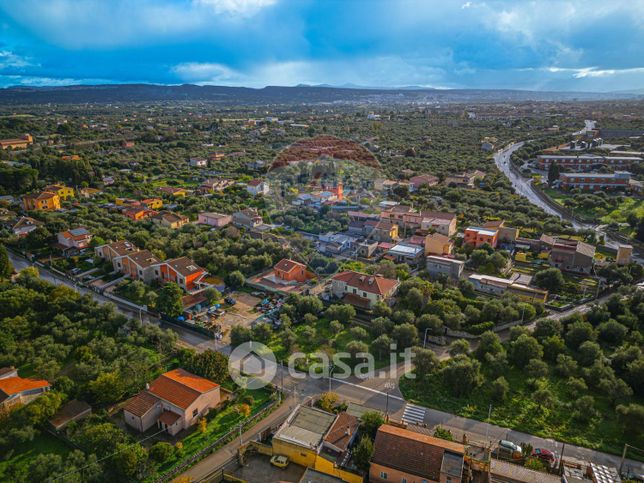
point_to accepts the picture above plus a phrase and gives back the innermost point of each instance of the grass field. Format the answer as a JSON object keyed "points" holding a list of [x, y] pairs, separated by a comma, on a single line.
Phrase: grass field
{"points": [[23, 455], [520, 412]]}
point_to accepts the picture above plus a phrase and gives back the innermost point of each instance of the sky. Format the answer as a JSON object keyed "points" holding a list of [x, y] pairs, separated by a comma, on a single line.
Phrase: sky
{"points": [[589, 45]]}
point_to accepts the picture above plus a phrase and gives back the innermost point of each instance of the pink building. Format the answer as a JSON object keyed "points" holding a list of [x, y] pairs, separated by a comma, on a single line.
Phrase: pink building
{"points": [[78, 238], [214, 219], [174, 401]]}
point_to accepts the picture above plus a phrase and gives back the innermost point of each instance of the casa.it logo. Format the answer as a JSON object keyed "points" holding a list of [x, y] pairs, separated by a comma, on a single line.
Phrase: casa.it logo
{"points": [[252, 365]]}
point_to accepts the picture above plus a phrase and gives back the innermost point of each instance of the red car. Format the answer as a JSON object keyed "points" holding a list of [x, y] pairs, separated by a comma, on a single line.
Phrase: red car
{"points": [[545, 455]]}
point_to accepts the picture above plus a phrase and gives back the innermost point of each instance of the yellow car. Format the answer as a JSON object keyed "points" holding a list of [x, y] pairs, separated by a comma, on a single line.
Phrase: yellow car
{"points": [[280, 461]]}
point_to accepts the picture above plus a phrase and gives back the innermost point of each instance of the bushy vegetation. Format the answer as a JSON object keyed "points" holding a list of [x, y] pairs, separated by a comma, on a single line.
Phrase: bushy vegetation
{"points": [[577, 380]]}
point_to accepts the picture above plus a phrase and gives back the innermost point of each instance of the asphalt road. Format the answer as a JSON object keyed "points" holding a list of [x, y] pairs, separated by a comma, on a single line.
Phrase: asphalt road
{"points": [[377, 393]]}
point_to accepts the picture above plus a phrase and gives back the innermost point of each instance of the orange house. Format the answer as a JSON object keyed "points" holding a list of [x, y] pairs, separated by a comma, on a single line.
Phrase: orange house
{"points": [[477, 236], [291, 271], [45, 201], [183, 271], [136, 214]]}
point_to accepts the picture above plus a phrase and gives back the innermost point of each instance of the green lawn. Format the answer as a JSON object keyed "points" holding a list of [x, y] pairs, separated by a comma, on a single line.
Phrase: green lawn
{"points": [[618, 215], [520, 412], [24, 454]]}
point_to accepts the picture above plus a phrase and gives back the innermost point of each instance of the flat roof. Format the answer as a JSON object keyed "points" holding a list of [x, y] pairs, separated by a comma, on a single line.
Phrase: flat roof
{"points": [[407, 249], [306, 427], [445, 260]]}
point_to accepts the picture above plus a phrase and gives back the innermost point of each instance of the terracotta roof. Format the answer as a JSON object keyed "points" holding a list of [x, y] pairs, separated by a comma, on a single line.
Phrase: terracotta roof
{"points": [[180, 387], [184, 266], [412, 452], [140, 404], [367, 283], [343, 429], [255, 182], [16, 385], [143, 258], [169, 418], [287, 265], [122, 247], [170, 217]]}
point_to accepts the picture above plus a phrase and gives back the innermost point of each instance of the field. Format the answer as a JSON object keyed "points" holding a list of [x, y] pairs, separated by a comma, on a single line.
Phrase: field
{"points": [[520, 412], [24, 454]]}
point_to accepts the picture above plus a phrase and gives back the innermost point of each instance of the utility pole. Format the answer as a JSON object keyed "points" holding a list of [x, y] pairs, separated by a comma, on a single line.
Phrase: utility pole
{"points": [[621, 462], [563, 447], [487, 426]]}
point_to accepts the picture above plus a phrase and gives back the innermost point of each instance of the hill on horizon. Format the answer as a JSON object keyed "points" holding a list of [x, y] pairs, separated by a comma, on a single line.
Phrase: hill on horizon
{"points": [[111, 93]]}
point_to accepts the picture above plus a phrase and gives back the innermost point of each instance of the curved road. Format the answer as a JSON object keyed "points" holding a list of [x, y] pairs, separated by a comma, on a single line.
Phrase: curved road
{"points": [[523, 187]]}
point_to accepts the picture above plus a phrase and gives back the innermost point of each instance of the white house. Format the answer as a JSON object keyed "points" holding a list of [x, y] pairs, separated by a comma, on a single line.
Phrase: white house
{"points": [[257, 187]]}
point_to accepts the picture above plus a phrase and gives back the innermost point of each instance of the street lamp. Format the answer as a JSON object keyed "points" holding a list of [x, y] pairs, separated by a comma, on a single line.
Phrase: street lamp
{"points": [[388, 386], [425, 338]]}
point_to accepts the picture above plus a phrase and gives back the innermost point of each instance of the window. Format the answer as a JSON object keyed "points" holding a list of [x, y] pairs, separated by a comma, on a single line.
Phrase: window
{"points": [[423, 481], [403, 480], [195, 412], [383, 475]]}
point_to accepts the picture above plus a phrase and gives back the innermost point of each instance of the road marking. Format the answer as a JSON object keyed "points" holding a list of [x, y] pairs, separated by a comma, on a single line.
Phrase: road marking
{"points": [[414, 414], [391, 396]]}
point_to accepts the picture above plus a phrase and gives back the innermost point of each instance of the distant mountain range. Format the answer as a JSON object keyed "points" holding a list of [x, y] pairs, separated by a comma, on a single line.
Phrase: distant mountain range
{"points": [[110, 93]]}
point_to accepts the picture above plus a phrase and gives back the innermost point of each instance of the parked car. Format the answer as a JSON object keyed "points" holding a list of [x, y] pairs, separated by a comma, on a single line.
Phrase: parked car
{"points": [[508, 449], [230, 301], [545, 455], [280, 461]]}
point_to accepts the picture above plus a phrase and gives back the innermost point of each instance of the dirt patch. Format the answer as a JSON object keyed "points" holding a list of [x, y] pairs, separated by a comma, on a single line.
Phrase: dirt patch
{"points": [[258, 469], [242, 313]]}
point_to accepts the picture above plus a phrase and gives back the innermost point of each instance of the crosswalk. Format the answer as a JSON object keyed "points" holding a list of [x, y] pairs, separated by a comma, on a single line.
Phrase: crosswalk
{"points": [[414, 414]]}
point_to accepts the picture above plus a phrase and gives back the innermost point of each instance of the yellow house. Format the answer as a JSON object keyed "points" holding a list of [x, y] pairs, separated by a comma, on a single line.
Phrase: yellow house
{"points": [[319, 440], [437, 244], [172, 191], [63, 192], [153, 203], [46, 201]]}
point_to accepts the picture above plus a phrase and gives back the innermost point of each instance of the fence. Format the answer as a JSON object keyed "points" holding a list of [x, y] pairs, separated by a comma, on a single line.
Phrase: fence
{"points": [[201, 454]]}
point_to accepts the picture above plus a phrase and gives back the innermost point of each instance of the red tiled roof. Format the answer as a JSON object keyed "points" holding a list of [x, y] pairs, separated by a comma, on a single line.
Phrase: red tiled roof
{"points": [[184, 266], [180, 387], [16, 385], [367, 283], [342, 430], [412, 452], [287, 265], [143, 258], [255, 182], [140, 404], [169, 418]]}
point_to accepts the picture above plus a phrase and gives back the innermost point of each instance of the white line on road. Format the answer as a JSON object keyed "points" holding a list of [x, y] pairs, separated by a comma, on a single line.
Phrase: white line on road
{"points": [[414, 414], [375, 391]]}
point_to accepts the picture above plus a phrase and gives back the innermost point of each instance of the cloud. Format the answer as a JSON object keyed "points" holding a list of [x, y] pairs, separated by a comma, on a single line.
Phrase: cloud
{"points": [[584, 72], [9, 59], [242, 8], [472, 43]]}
